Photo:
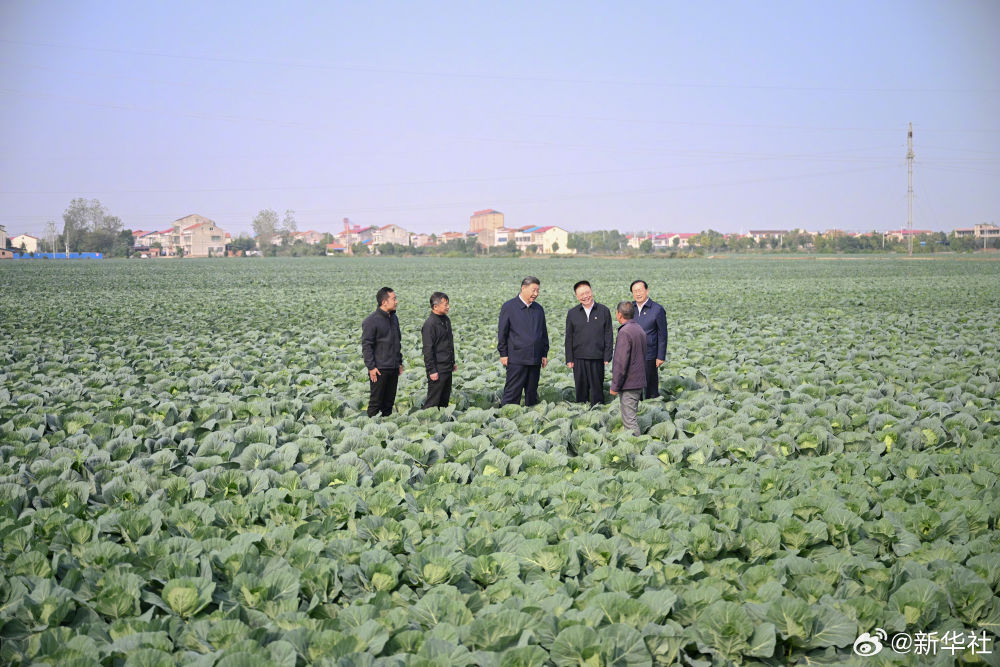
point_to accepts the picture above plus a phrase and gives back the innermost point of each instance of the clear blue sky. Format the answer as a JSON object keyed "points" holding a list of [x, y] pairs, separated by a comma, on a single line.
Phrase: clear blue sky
{"points": [[668, 116]]}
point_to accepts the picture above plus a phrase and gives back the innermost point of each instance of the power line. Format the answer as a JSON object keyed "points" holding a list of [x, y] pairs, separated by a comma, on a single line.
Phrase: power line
{"points": [[205, 58]]}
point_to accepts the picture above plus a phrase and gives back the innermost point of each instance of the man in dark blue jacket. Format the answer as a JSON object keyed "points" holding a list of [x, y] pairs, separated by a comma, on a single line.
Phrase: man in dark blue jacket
{"points": [[523, 343], [653, 319], [380, 347]]}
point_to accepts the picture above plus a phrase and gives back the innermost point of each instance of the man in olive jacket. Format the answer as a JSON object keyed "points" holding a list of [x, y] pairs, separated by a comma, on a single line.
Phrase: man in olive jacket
{"points": [[439, 352], [380, 347], [588, 344], [628, 370]]}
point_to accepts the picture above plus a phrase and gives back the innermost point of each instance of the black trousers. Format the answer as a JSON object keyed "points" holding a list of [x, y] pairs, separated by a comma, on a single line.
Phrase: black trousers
{"points": [[588, 376], [438, 391], [652, 389], [521, 378], [382, 394]]}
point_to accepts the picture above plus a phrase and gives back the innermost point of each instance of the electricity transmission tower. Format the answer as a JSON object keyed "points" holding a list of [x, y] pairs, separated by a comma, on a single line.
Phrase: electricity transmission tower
{"points": [[909, 190]]}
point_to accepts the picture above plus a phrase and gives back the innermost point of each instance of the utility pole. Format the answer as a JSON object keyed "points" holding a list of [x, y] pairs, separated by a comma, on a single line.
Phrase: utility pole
{"points": [[909, 190], [52, 236]]}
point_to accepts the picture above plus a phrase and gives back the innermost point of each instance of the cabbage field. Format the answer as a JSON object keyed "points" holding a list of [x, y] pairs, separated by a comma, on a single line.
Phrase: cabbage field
{"points": [[187, 474]]}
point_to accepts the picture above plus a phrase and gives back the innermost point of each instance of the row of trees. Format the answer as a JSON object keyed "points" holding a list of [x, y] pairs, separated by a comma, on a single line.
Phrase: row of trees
{"points": [[88, 226], [715, 242]]}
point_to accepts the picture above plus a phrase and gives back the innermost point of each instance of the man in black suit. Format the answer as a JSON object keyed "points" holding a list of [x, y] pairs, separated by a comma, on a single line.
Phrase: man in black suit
{"points": [[523, 343], [439, 352], [380, 347], [653, 319], [588, 344]]}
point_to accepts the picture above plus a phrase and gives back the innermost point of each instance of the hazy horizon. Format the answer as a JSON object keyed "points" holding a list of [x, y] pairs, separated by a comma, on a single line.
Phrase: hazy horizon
{"points": [[646, 116]]}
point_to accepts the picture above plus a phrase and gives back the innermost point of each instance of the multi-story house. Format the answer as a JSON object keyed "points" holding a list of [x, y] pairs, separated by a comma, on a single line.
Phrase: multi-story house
{"points": [[765, 234], [391, 234], [548, 239], [421, 240], [24, 243], [452, 236], [981, 231], [669, 241], [900, 235], [199, 237], [194, 235], [354, 234], [485, 219], [310, 237]]}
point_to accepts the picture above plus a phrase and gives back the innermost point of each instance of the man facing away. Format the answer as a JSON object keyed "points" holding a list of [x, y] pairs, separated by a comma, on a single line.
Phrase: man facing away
{"points": [[628, 371], [380, 347], [439, 352], [653, 319], [523, 343], [588, 344]]}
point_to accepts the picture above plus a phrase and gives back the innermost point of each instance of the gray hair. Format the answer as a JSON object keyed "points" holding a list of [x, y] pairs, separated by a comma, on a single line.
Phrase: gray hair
{"points": [[626, 309], [531, 280], [437, 298]]}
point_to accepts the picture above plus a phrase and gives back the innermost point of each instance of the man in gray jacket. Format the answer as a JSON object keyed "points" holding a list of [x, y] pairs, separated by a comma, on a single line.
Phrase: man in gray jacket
{"points": [[628, 374]]}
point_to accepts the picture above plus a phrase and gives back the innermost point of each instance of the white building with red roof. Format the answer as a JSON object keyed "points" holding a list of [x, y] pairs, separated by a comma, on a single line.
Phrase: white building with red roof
{"points": [[311, 237], [24, 243], [353, 234], [194, 235]]}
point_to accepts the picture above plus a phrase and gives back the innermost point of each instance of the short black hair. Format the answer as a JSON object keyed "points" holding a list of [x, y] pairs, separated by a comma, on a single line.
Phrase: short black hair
{"points": [[383, 294], [438, 297], [626, 309], [644, 285], [577, 285], [531, 280]]}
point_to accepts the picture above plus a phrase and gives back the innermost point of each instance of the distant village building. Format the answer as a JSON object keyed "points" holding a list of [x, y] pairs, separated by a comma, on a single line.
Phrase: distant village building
{"points": [[391, 234], [635, 240], [194, 235], [900, 235], [422, 240], [310, 237], [547, 239], [489, 237], [759, 235], [355, 234], [493, 238], [981, 231], [24, 243], [665, 241], [199, 237], [4, 252], [670, 241], [486, 219]]}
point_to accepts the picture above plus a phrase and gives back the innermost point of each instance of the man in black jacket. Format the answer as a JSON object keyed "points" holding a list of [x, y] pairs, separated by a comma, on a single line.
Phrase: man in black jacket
{"points": [[523, 343], [588, 344], [380, 347], [439, 352]]}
